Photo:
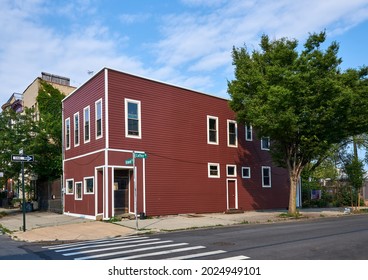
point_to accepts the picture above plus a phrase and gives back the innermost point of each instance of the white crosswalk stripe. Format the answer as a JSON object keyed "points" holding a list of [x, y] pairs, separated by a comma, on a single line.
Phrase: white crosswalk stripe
{"points": [[137, 247]]}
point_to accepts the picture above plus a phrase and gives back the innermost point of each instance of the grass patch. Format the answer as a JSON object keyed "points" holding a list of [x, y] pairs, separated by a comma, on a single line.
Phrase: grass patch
{"points": [[3, 214], [297, 215], [113, 220], [4, 229]]}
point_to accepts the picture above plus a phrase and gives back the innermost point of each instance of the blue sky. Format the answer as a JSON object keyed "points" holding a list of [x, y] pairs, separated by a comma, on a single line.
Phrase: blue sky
{"points": [[183, 42]]}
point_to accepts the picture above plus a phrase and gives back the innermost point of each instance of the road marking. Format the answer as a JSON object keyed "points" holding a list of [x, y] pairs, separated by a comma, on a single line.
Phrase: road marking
{"points": [[99, 241], [237, 258], [185, 257], [105, 245], [115, 248], [130, 251], [161, 253]]}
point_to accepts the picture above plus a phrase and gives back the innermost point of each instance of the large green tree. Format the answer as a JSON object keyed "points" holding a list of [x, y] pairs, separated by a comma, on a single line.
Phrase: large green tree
{"points": [[302, 100]]}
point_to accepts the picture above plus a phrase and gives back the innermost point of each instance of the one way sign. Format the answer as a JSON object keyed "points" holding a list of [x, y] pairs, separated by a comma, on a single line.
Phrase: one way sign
{"points": [[22, 158]]}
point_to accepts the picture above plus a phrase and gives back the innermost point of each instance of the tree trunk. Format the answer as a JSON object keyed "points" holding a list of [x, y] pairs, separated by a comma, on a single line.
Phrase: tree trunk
{"points": [[294, 177]]}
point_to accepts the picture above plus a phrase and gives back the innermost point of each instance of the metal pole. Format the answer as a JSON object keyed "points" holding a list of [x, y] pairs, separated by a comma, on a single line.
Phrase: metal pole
{"points": [[135, 193], [24, 199]]}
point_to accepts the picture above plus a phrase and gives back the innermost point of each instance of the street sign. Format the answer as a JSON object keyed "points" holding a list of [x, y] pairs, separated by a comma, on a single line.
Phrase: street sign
{"points": [[21, 158], [129, 161], [140, 155]]}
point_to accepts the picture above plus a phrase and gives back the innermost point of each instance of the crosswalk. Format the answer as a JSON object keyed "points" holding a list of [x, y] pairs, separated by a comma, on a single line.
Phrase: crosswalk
{"points": [[138, 248]]}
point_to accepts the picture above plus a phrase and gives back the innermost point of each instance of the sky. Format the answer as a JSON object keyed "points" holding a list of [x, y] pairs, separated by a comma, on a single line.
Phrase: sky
{"points": [[187, 43]]}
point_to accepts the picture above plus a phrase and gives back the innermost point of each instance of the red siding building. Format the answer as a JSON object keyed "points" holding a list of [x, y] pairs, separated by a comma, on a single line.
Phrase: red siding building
{"points": [[198, 158]]}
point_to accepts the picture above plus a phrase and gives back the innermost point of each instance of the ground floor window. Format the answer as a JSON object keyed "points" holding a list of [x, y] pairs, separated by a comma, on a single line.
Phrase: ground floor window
{"points": [[266, 176], [231, 170], [69, 186], [213, 170], [88, 185], [78, 190], [245, 172]]}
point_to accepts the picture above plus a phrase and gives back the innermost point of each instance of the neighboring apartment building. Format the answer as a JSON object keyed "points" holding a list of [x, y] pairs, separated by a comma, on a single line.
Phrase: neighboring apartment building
{"points": [[199, 159], [28, 99]]}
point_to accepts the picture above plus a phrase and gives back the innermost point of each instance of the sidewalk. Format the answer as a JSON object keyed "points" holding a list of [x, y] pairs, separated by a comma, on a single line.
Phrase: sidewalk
{"points": [[47, 226]]}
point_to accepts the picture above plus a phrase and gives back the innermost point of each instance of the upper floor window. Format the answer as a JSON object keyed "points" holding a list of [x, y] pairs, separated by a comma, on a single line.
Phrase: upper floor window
{"points": [[133, 118], [265, 143], [67, 133], [98, 114], [232, 139], [76, 129], [266, 176], [86, 120], [212, 130], [248, 132]]}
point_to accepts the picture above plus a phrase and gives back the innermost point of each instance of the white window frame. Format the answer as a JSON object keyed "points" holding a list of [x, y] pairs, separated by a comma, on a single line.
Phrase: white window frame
{"points": [[67, 134], [98, 103], [208, 130], [66, 187], [84, 124], [76, 132], [246, 168], [209, 170], [228, 133], [85, 185], [268, 143], [248, 129], [127, 135], [263, 176], [75, 190], [227, 170]]}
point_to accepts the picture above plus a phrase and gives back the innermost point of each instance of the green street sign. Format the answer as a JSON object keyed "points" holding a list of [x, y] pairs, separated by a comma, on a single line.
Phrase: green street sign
{"points": [[140, 155], [129, 161]]}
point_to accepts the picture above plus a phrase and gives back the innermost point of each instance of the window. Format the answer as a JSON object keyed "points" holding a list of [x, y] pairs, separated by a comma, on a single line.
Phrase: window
{"points": [[67, 133], [232, 140], [213, 170], [76, 129], [132, 118], [98, 109], [86, 120], [245, 172], [69, 186], [212, 130], [266, 176], [248, 132], [78, 190], [88, 185], [231, 170], [265, 143]]}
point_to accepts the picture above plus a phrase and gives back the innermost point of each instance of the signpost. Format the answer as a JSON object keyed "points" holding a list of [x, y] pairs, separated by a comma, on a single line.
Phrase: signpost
{"points": [[23, 158], [142, 156], [129, 161]]}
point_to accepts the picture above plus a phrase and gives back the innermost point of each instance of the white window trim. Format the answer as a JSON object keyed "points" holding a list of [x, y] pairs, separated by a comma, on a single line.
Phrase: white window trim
{"points": [[75, 190], [227, 170], [209, 170], [265, 149], [76, 114], [67, 134], [269, 168], [246, 168], [139, 136], [85, 185], [246, 133], [98, 136], [208, 130], [66, 186], [84, 124], [236, 134]]}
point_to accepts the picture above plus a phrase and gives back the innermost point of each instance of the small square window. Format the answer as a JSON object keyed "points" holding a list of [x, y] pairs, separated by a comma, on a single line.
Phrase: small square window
{"points": [[245, 172], [231, 170], [214, 170]]}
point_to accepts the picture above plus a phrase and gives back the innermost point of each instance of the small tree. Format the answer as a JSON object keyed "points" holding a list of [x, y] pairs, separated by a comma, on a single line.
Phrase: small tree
{"points": [[354, 169], [302, 101]]}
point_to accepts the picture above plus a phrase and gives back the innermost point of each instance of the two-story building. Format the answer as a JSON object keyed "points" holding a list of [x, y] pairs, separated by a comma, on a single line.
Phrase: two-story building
{"points": [[191, 155]]}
